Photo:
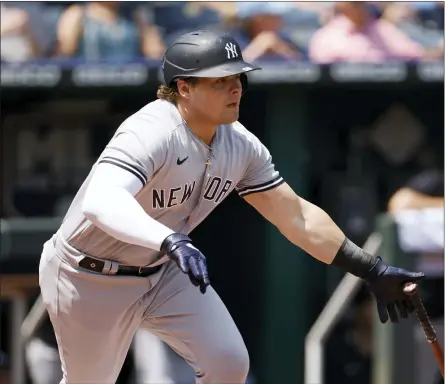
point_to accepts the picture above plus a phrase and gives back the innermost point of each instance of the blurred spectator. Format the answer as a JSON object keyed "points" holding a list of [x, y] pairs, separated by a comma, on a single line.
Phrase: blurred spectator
{"points": [[18, 42], [349, 350], [112, 31], [304, 19], [260, 32], [422, 22], [309, 13], [177, 18], [418, 209], [357, 34]]}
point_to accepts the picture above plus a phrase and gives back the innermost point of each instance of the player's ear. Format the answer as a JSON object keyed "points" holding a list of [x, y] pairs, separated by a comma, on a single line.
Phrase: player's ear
{"points": [[183, 88]]}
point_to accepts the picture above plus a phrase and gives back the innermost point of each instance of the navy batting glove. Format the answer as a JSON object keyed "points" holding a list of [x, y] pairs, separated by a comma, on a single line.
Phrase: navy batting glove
{"points": [[189, 259], [386, 283]]}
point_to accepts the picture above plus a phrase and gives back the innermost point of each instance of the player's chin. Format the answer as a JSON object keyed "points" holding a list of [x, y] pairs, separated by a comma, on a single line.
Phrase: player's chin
{"points": [[230, 116]]}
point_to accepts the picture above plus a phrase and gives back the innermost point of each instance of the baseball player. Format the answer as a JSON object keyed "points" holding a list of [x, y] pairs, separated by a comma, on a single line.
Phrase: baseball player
{"points": [[122, 258]]}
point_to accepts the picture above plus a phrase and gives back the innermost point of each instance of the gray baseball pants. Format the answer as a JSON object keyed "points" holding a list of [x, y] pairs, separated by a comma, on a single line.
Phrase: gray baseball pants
{"points": [[95, 317]]}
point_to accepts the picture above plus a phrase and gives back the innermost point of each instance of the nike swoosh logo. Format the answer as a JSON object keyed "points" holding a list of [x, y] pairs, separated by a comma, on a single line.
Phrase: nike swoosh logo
{"points": [[179, 161]]}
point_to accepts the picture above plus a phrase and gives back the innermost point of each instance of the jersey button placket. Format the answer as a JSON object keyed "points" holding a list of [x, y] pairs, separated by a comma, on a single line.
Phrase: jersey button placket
{"points": [[207, 173]]}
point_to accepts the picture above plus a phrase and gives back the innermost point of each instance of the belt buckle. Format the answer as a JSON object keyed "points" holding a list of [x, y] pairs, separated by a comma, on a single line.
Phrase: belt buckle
{"points": [[140, 270]]}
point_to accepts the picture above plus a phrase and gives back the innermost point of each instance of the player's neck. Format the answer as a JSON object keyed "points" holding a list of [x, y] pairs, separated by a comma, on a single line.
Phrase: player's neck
{"points": [[203, 130]]}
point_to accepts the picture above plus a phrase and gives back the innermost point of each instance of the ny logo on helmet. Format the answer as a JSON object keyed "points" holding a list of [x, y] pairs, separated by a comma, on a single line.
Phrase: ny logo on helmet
{"points": [[231, 51]]}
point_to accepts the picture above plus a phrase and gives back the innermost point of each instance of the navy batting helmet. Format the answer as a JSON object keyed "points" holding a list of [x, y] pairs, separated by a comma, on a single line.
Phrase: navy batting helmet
{"points": [[204, 54]]}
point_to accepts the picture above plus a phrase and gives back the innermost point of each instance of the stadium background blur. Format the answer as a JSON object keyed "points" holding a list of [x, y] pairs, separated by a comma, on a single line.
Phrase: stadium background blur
{"points": [[354, 121]]}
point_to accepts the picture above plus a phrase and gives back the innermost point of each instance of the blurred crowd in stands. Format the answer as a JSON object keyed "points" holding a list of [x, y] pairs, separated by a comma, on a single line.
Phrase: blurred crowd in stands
{"points": [[317, 31]]}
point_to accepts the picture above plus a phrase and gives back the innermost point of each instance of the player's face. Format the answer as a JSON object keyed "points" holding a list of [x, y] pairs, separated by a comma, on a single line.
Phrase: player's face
{"points": [[217, 99]]}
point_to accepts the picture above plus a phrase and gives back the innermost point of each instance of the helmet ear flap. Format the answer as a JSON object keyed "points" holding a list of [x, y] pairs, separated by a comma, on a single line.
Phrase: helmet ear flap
{"points": [[244, 82]]}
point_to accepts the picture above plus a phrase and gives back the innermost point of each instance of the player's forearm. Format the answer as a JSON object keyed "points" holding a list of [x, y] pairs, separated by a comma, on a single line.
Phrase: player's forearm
{"points": [[310, 228], [313, 230]]}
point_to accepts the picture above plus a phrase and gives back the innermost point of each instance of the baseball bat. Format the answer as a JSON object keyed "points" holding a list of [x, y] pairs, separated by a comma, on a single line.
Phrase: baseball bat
{"points": [[410, 289]]}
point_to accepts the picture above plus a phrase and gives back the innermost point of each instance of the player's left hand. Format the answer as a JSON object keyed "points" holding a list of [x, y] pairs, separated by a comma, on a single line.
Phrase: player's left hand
{"points": [[386, 283], [189, 259]]}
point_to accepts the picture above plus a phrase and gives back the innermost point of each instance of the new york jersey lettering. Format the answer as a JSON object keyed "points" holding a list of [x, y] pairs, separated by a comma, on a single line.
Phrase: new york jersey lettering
{"points": [[163, 198], [216, 189]]}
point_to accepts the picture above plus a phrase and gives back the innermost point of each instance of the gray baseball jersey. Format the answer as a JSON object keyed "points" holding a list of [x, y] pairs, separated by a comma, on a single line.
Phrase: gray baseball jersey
{"points": [[183, 178]]}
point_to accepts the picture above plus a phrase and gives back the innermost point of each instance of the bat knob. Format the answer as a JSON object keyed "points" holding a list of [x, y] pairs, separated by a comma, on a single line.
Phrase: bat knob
{"points": [[410, 289]]}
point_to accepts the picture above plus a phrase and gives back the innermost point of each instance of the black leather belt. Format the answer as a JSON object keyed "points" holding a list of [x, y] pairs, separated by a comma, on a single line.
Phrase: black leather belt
{"points": [[122, 270]]}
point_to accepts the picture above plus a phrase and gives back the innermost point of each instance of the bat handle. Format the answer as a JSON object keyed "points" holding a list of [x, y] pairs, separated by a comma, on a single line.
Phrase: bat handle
{"points": [[410, 289]]}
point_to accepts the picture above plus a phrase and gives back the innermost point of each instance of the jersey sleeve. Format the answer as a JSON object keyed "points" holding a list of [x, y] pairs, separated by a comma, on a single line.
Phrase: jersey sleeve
{"points": [[260, 174], [139, 147]]}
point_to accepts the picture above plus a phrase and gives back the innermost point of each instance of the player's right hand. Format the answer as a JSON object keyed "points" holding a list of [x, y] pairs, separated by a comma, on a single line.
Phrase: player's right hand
{"points": [[386, 283], [189, 259]]}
